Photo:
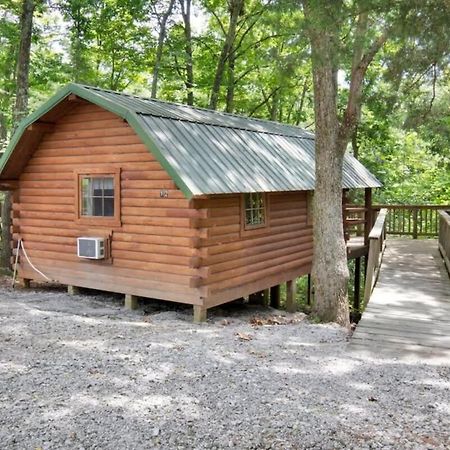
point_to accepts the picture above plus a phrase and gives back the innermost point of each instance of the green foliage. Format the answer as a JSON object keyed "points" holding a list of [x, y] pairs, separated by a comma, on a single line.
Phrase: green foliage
{"points": [[404, 131]]}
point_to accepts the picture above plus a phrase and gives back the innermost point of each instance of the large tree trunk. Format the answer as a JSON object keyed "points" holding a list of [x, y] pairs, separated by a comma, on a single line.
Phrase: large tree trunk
{"points": [[160, 46], [236, 7], [324, 23], [330, 271], [20, 111], [186, 13]]}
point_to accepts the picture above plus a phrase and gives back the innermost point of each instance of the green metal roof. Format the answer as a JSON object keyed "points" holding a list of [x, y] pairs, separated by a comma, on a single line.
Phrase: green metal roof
{"points": [[211, 152]]}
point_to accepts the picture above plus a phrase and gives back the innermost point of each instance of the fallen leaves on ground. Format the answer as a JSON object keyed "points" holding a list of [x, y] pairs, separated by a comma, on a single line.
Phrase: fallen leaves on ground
{"points": [[258, 321], [244, 336]]}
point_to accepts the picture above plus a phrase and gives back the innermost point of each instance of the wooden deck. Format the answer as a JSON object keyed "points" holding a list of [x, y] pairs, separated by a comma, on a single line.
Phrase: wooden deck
{"points": [[408, 315]]}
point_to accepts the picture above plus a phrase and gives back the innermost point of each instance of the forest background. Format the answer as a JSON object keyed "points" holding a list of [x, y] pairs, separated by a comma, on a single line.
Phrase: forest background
{"points": [[249, 57]]}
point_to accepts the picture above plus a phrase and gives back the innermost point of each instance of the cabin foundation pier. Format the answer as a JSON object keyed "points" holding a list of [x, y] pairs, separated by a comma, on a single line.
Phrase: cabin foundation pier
{"points": [[275, 296], [73, 290], [131, 301], [291, 291], [200, 314]]}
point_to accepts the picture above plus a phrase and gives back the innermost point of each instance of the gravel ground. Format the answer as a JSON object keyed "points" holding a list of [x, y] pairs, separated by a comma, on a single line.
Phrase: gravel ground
{"points": [[83, 373]]}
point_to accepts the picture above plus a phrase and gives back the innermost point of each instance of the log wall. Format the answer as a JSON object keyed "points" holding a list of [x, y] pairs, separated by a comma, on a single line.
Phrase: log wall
{"points": [[153, 250], [237, 262], [168, 248]]}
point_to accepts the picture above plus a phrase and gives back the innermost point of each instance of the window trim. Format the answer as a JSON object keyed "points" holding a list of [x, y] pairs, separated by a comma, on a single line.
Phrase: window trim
{"points": [[255, 229], [113, 172]]}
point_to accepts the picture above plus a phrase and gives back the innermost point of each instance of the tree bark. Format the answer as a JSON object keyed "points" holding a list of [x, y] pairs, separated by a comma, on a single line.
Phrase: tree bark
{"points": [[231, 85], [160, 47], [20, 111], [236, 7], [330, 271], [23, 61], [186, 14]]}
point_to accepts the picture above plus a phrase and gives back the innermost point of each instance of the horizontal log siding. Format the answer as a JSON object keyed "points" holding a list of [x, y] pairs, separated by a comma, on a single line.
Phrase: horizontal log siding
{"points": [[153, 251], [237, 263]]}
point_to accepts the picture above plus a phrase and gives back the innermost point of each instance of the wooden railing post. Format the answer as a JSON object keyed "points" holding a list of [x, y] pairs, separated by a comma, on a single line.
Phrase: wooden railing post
{"points": [[376, 249], [368, 216], [444, 237], [415, 224]]}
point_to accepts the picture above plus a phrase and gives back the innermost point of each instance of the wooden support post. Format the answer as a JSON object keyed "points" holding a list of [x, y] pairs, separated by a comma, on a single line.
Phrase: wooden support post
{"points": [[26, 282], [357, 287], [266, 297], [73, 290], [368, 214], [415, 222], [131, 301], [309, 293], [257, 298], [275, 296], [200, 313], [291, 291], [344, 214]]}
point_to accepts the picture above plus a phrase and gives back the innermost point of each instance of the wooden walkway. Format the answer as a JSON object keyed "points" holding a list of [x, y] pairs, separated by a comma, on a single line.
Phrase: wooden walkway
{"points": [[408, 315]]}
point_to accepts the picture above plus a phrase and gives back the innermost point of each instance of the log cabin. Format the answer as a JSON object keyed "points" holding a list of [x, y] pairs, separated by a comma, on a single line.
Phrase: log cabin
{"points": [[161, 200]]}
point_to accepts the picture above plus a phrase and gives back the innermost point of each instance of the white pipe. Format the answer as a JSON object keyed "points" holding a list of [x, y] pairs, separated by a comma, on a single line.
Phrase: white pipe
{"points": [[19, 246], [16, 261]]}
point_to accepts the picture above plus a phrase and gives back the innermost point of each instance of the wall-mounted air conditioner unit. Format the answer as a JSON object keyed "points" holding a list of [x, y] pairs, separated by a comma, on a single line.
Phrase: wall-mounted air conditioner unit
{"points": [[91, 247]]}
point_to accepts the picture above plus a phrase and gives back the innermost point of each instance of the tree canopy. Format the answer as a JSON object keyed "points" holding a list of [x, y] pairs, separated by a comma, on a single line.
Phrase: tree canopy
{"points": [[253, 57]]}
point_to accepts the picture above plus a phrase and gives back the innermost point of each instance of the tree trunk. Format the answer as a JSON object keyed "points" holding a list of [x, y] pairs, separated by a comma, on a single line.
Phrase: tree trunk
{"points": [[159, 48], [324, 24], [186, 13], [231, 85], [330, 271], [3, 131], [20, 111], [236, 7], [6, 252], [23, 61]]}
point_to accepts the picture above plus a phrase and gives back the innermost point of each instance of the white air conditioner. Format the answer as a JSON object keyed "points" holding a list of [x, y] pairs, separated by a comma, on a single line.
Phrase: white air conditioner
{"points": [[91, 247]]}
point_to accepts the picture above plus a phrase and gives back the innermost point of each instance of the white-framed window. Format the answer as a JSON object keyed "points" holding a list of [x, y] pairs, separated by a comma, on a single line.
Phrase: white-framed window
{"points": [[254, 210]]}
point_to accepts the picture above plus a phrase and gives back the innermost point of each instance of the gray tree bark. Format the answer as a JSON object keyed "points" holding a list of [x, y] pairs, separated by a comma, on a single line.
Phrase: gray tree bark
{"points": [[330, 270], [235, 9], [23, 61], [160, 47], [20, 111], [186, 14]]}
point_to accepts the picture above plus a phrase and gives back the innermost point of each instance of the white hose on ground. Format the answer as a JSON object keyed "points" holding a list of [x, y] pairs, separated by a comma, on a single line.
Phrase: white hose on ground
{"points": [[19, 246]]}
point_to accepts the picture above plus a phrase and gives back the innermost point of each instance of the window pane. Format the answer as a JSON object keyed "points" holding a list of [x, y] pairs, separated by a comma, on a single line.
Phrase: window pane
{"points": [[97, 196], [108, 207], [97, 203], [97, 187], [254, 209]]}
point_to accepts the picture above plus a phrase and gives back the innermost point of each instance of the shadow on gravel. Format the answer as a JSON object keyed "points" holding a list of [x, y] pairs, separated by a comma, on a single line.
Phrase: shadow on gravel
{"points": [[82, 372]]}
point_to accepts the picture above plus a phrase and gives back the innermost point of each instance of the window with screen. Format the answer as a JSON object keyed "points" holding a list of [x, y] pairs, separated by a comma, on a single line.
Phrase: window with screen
{"points": [[254, 210]]}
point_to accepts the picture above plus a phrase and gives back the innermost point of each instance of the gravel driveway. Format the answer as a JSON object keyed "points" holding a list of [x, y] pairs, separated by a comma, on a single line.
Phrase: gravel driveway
{"points": [[83, 373]]}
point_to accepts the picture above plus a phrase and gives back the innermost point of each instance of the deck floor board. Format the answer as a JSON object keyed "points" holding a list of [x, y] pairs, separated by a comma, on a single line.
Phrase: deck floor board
{"points": [[408, 315]]}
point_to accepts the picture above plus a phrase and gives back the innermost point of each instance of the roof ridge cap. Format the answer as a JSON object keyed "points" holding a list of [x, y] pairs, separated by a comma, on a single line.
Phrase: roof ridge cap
{"points": [[199, 108]]}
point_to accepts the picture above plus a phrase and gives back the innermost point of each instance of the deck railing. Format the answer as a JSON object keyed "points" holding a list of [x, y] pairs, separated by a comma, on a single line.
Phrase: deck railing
{"points": [[402, 220], [412, 220], [377, 243], [444, 236]]}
